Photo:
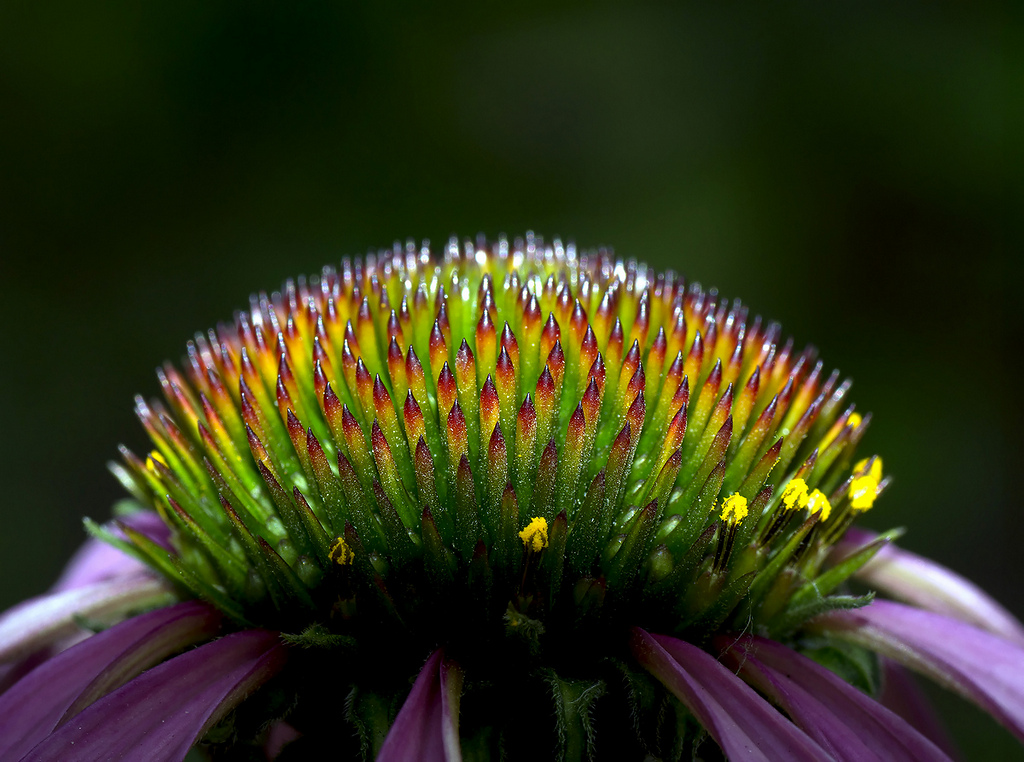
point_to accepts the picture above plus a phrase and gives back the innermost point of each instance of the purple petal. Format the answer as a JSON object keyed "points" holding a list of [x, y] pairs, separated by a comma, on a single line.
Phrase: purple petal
{"points": [[928, 585], [902, 694], [846, 722], [38, 622], [160, 714], [746, 726], [96, 560], [150, 524], [427, 727], [983, 667], [12, 672], [451, 697], [75, 678]]}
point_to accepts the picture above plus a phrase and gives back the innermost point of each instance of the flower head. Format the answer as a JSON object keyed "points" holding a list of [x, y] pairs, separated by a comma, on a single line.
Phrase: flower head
{"points": [[522, 459]]}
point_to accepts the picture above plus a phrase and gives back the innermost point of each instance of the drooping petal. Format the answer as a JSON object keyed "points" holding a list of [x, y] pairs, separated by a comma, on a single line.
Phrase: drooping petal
{"points": [[982, 667], [427, 727], [451, 697], [67, 683], [96, 560], [745, 725], [160, 714], [847, 723], [928, 585], [902, 694], [12, 672], [40, 621]]}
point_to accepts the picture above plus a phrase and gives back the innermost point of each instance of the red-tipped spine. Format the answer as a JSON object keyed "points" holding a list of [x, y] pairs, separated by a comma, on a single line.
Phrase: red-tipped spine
{"points": [[364, 389], [556, 365], [489, 409], [706, 397], [423, 463], [588, 354], [510, 345], [642, 322], [457, 438], [544, 400], [418, 388], [497, 478], [655, 365], [348, 370], [397, 370], [526, 442], [745, 401], [393, 330], [356, 446], [750, 445], [447, 395], [415, 426], [365, 333], [578, 327], [615, 476], [328, 486], [549, 335], [547, 473], [438, 349], [390, 479], [530, 349], [469, 398], [467, 515], [571, 466], [602, 322], [486, 346], [505, 384], [387, 418], [694, 360]]}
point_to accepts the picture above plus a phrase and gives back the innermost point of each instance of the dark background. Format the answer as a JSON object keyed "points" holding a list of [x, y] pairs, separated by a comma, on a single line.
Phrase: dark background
{"points": [[851, 169]]}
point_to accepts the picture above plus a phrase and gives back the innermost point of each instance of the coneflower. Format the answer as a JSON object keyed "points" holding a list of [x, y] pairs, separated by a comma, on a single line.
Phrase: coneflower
{"points": [[509, 500]]}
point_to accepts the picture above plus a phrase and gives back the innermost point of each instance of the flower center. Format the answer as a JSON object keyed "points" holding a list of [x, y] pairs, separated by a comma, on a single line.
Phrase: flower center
{"points": [[505, 444]]}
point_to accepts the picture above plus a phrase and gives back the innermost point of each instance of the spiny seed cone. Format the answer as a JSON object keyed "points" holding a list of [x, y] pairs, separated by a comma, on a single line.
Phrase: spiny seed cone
{"points": [[511, 449]]}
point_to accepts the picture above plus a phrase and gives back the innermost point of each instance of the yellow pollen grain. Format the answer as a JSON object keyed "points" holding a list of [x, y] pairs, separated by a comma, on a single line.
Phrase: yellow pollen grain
{"points": [[817, 502], [535, 536], [854, 420], [734, 508], [862, 492], [341, 553], [794, 497], [875, 472]]}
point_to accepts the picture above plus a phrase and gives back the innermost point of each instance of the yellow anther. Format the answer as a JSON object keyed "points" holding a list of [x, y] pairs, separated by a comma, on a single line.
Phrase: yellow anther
{"points": [[852, 421], [875, 472], [155, 455], [863, 491], [535, 536], [734, 509], [794, 497], [817, 502], [341, 553]]}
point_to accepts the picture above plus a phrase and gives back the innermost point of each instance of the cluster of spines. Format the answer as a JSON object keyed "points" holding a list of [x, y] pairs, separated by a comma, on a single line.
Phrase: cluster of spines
{"points": [[405, 408]]}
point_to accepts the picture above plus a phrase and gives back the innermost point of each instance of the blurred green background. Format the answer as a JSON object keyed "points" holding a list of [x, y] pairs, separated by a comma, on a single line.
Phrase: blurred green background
{"points": [[851, 169]]}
